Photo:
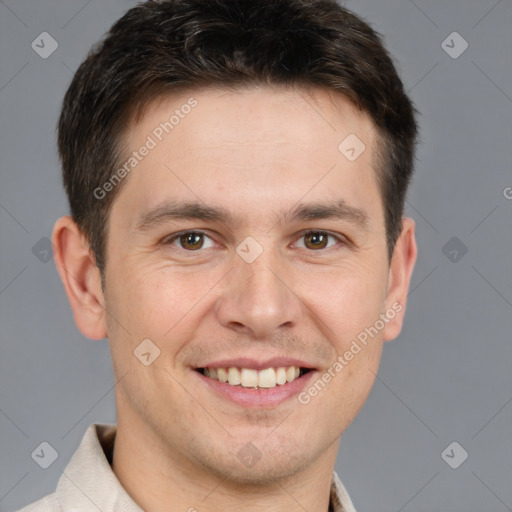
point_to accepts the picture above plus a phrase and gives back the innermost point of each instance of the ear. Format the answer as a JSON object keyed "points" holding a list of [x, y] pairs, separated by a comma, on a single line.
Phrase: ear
{"points": [[81, 278], [400, 271]]}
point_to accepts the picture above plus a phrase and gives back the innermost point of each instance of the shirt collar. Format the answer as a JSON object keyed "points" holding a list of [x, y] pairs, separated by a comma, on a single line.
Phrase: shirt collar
{"points": [[89, 482]]}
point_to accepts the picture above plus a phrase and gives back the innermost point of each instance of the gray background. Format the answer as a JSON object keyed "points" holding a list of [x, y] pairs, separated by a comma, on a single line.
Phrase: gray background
{"points": [[446, 378]]}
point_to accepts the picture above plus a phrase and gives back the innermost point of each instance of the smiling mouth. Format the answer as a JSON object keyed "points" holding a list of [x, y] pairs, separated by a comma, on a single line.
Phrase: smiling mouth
{"points": [[250, 378]]}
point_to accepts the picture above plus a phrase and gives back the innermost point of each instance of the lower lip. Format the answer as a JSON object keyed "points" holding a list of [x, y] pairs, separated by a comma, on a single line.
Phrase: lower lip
{"points": [[257, 398]]}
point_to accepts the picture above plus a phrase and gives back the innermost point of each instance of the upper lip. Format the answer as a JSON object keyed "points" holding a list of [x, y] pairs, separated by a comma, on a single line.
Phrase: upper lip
{"points": [[254, 364]]}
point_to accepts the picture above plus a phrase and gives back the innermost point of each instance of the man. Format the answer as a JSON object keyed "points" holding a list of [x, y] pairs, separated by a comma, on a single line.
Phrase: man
{"points": [[236, 173]]}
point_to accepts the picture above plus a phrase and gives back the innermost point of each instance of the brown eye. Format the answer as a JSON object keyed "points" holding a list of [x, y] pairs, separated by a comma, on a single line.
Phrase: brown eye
{"points": [[192, 240], [317, 239]]}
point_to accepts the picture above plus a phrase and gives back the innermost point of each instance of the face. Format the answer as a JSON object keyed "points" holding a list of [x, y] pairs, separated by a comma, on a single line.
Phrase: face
{"points": [[246, 238]]}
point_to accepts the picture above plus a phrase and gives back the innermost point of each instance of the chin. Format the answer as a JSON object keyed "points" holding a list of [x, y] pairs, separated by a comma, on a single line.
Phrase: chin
{"points": [[259, 462], [266, 471]]}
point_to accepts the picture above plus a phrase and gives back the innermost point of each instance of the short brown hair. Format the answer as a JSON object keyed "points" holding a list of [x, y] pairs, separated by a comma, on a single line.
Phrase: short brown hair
{"points": [[162, 47]]}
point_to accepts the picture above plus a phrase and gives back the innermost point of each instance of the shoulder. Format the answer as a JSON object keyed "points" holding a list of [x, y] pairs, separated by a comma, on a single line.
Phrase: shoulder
{"points": [[47, 503]]}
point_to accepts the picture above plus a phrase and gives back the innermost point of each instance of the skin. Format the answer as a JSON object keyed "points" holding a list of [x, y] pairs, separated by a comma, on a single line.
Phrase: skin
{"points": [[254, 152]]}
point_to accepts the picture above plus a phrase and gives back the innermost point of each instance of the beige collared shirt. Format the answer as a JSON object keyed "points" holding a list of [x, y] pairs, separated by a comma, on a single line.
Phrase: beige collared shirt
{"points": [[89, 484]]}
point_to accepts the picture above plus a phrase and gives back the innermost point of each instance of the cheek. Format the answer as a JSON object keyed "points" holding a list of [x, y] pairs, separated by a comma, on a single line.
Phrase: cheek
{"points": [[161, 304], [347, 300]]}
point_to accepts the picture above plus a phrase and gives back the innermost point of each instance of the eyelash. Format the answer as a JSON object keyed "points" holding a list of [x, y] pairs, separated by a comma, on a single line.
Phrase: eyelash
{"points": [[341, 241]]}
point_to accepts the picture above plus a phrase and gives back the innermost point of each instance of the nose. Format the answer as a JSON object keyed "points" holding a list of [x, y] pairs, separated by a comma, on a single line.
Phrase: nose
{"points": [[257, 298]]}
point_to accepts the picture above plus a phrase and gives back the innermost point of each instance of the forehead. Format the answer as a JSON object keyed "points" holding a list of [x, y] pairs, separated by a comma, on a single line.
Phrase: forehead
{"points": [[252, 115], [251, 147]]}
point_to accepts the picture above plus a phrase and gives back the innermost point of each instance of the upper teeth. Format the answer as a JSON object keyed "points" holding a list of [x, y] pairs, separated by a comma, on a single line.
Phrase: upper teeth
{"points": [[249, 378]]}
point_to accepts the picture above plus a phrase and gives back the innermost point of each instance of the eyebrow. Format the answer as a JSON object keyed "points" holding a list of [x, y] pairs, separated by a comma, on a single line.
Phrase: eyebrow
{"points": [[193, 210]]}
